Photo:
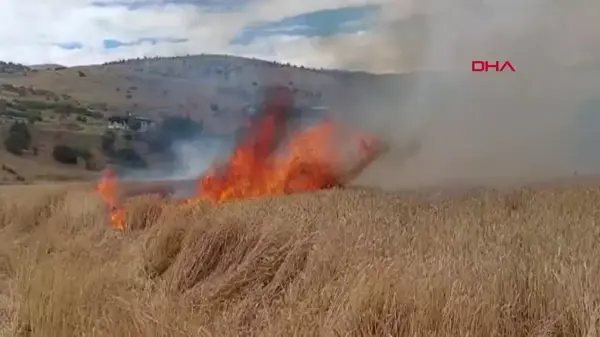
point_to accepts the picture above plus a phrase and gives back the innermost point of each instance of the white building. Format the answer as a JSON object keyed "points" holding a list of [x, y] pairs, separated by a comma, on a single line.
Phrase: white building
{"points": [[123, 122]]}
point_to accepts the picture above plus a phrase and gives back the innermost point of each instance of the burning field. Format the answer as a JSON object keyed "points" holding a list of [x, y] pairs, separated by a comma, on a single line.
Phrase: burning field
{"points": [[341, 262], [252, 254], [272, 159]]}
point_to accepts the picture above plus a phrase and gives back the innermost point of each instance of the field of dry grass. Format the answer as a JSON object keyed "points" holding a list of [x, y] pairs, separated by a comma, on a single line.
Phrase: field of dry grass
{"points": [[337, 263]]}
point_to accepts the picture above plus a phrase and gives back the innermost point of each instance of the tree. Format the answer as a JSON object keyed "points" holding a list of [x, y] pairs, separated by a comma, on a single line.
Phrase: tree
{"points": [[16, 144], [108, 141], [18, 139], [134, 123], [20, 128], [69, 155]]}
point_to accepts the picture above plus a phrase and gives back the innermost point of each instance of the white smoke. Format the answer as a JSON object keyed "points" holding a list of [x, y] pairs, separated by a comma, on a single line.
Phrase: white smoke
{"points": [[481, 128], [193, 158]]}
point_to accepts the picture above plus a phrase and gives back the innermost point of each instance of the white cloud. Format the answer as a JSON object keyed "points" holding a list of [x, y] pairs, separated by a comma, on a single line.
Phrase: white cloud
{"points": [[32, 28]]}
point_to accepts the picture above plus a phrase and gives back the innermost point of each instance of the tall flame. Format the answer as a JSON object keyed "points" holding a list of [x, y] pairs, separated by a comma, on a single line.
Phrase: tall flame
{"points": [[255, 171], [260, 167], [108, 190]]}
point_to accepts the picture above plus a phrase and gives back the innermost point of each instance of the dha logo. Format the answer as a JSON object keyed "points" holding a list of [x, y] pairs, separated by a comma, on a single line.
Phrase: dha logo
{"points": [[479, 66]]}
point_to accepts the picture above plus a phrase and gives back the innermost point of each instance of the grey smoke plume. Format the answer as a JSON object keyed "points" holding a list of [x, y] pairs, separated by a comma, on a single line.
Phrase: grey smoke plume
{"points": [[190, 159], [193, 158], [480, 128], [447, 125]]}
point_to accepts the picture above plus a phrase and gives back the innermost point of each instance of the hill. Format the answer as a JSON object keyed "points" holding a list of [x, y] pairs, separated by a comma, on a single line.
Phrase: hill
{"points": [[179, 85], [45, 66], [70, 106]]}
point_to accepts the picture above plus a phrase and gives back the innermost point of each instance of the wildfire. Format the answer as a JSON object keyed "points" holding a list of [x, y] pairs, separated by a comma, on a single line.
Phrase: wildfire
{"points": [[108, 190], [266, 163]]}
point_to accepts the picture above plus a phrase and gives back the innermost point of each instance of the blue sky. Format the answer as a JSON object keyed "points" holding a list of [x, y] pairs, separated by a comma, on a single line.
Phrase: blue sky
{"points": [[78, 32], [112, 43], [208, 5], [366, 34], [320, 23]]}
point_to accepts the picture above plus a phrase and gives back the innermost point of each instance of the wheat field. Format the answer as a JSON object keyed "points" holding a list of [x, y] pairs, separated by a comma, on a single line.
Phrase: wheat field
{"points": [[351, 262]]}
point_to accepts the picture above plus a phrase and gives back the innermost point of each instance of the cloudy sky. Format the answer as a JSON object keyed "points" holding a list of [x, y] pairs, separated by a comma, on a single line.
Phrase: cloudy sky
{"points": [[376, 35], [73, 32]]}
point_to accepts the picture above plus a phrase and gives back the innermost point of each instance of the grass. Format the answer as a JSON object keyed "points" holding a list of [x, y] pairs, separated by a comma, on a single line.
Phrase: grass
{"points": [[336, 263]]}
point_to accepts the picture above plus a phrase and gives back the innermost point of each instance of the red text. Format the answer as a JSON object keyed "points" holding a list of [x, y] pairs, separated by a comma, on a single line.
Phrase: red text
{"points": [[485, 66]]}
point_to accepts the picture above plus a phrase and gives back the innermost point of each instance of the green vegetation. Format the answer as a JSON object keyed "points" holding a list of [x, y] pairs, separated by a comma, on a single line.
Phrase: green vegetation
{"points": [[64, 108], [134, 124], [71, 155], [31, 116], [18, 140], [108, 142], [125, 156], [10, 67]]}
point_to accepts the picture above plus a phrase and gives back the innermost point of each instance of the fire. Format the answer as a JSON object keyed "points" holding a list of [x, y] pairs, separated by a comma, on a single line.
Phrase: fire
{"points": [[266, 163], [254, 171], [309, 164], [108, 190]]}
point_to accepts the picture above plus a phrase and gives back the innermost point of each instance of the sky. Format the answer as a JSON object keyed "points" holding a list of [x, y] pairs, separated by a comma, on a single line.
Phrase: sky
{"points": [[372, 35], [78, 32]]}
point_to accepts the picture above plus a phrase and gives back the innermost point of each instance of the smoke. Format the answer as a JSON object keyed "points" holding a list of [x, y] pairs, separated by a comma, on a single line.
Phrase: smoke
{"points": [[187, 160], [193, 158], [447, 125], [477, 128]]}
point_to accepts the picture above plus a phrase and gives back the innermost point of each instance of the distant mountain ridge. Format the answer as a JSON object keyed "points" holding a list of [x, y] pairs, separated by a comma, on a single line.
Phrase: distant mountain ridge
{"points": [[209, 86], [11, 67], [46, 66]]}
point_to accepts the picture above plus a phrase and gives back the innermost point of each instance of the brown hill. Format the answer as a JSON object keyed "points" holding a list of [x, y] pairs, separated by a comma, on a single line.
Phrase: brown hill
{"points": [[70, 105]]}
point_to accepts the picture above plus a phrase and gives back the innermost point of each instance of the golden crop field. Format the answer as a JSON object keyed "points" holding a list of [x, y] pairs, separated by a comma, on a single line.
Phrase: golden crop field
{"points": [[352, 262]]}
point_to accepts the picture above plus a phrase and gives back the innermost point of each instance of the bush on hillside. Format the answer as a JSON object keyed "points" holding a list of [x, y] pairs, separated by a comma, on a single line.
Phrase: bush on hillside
{"points": [[69, 155], [18, 139], [33, 118], [108, 142], [15, 144], [20, 128], [130, 158], [134, 124]]}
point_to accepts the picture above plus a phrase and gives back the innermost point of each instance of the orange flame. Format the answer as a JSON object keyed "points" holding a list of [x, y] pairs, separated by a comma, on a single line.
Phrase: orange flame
{"points": [[108, 190], [253, 172], [310, 162]]}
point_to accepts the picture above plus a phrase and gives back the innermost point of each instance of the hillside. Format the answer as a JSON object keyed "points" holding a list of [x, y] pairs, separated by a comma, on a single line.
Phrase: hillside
{"points": [[70, 105], [189, 85], [220, 92]]}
